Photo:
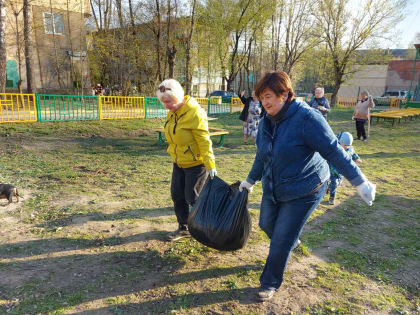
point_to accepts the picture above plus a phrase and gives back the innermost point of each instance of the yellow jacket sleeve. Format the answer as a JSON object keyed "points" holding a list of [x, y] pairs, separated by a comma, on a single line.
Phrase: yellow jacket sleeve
{"points": [[200, 131]]}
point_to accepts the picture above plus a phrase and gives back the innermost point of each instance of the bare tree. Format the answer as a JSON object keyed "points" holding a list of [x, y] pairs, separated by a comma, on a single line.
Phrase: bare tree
{"points": [[276, 24], [2, 47], [344, 30], [299, 37]]}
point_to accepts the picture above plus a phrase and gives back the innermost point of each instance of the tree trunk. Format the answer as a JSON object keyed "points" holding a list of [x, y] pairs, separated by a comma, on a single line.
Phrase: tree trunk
{"points": [[119, 12], [18, 48], [130, 7], [171, 60], [94, 16], [28, 47], [2, 47], [188, 74], [335, 92]]}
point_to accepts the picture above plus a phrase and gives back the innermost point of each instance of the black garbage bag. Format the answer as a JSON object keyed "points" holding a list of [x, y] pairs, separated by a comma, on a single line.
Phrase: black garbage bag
{"points": [[220, 217]]}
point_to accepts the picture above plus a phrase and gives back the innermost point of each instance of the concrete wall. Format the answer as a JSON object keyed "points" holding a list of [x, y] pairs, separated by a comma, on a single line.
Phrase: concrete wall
{"points": [[368, 77]]}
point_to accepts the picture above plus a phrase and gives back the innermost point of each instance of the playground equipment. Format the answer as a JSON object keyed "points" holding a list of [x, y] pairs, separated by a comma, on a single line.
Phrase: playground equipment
{"points": [[414, 100]]}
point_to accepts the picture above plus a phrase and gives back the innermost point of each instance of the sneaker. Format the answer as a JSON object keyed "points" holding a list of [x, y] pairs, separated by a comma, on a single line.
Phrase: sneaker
{"points": [[365, 139], [332, 201], [265, 294], [178, 234]]}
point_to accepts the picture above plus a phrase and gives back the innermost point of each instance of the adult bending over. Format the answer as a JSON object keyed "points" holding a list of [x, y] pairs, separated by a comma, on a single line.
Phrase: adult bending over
{"points": [[294, 143], [189, 145], [361, 114], [319, 102]]}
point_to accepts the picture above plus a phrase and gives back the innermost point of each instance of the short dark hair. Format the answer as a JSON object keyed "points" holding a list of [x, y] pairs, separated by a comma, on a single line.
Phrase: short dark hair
{"points": [[277, 81]]}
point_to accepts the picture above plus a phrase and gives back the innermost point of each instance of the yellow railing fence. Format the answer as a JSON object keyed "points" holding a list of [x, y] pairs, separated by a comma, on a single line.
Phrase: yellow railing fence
{"points": [[121, 107], [203, 101], [236, 105], [17, 107], [346, 101]]}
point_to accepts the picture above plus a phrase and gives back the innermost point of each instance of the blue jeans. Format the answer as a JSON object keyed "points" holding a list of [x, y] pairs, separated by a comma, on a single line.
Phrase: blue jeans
{"points": [[335, 181], [283, 223]]}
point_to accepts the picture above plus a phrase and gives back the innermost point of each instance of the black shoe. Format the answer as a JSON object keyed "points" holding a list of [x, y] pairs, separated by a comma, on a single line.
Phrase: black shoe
{"points": [[365, 139], [265, 294], [178, 234]]}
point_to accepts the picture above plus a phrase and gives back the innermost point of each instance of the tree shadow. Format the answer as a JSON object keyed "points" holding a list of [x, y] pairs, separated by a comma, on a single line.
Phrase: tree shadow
{"points": [[178, 302], [63, 244], [140, 213], [387, 155], [380, 242], [66, 279]]}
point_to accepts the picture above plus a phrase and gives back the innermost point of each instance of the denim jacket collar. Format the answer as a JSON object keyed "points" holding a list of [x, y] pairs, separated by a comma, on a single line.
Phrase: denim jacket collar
{"points": [[293, 108]]}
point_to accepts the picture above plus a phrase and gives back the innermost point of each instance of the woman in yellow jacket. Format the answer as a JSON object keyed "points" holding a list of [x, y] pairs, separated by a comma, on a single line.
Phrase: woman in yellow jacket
{"points": [[189, 145]]}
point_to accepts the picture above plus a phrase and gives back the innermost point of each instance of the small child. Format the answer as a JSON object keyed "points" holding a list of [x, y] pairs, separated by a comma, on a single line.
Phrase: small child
{"points": [[345, 139]]}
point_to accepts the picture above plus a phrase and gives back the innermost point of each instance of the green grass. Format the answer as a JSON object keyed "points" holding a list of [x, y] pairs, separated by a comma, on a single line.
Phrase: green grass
{"points": [[89, 233]]}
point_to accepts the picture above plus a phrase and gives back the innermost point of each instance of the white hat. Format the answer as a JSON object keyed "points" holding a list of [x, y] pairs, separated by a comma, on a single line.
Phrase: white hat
{"points": [[172, 88], [345, 138]]}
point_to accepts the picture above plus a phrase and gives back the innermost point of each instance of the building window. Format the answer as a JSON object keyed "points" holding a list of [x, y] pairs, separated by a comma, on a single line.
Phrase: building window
{"points": [[53, 23]]}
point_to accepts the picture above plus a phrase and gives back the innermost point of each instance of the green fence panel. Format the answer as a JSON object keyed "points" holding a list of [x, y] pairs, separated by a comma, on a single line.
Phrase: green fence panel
{"points": [[67, 107], [154, 108], [218, 106]]}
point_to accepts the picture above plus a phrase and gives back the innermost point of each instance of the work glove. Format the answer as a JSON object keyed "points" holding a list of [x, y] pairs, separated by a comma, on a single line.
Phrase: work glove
{"points": [[246, 185], [367, 191], [212, 173]]}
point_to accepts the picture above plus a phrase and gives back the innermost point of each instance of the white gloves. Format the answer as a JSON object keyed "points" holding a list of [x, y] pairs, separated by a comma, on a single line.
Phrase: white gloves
{"points": [[212, 173], [246, 185], [367, 191]]}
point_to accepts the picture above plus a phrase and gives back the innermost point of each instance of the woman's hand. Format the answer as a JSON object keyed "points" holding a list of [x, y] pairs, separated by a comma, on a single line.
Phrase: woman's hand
{"points": [[359, 161], [246, 185], [367, 192], [212, 173]]}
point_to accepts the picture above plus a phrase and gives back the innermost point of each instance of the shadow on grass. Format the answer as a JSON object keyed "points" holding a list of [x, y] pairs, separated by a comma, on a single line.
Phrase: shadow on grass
{"points": [[54, 283], [380, 242], [134, 214], [178, 302], [386, 155], [63, 244]]}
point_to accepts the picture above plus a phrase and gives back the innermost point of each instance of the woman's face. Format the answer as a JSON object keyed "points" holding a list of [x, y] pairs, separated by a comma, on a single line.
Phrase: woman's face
{"points": [[319, 93], [364, 95], [271, 102], [170, 103]]}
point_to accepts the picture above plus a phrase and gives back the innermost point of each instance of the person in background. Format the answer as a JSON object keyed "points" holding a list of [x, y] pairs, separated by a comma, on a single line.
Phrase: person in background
{"points": [[189, 145], [319, 102], [250, 115], [294, 143], [361, 114], [98, 89], [345, 139]]}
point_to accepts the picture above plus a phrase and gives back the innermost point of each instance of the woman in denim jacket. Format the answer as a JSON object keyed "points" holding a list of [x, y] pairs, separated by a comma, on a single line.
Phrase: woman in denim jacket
{"points": [[294, 143]]}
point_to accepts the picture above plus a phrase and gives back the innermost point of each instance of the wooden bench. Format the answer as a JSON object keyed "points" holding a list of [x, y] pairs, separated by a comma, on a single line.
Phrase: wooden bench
{"points": [[213, 132], [396, 114]]}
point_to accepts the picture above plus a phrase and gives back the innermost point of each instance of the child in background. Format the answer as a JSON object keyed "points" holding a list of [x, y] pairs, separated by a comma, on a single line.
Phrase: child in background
{"points": [[345, 139]]}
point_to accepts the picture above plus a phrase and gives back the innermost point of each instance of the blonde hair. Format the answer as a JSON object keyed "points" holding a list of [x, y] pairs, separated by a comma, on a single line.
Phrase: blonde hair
{"points": [[172, 88]]}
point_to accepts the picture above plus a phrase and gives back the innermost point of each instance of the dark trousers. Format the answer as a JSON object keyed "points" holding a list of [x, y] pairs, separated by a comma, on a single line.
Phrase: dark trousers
{"points": [[283, 222], [360, 128], [186, 186], [335, 181]]}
